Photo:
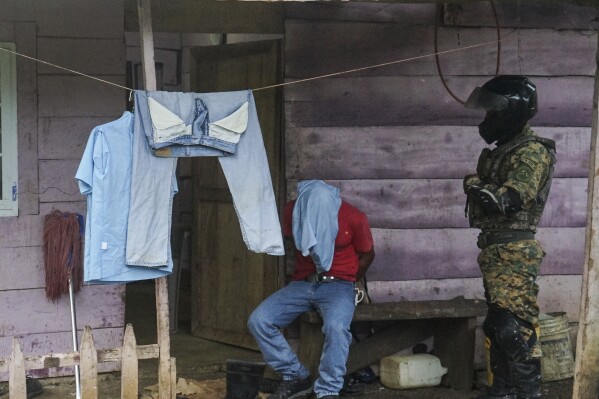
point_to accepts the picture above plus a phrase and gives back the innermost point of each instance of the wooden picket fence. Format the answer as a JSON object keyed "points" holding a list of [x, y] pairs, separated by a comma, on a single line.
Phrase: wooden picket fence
{"points": [[88, 359]]}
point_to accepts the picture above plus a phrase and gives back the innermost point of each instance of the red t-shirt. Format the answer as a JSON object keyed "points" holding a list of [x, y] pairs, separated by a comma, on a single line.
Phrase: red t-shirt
{"points": [[354, 236]]}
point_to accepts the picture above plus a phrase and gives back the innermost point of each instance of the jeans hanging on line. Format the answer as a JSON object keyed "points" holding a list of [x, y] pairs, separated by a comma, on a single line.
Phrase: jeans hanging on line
{"points": [[241, 154]]}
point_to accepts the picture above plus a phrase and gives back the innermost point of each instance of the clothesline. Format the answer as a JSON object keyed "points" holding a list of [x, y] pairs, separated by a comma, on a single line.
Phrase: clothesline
{"points": [[279, 84], [328, 75]]}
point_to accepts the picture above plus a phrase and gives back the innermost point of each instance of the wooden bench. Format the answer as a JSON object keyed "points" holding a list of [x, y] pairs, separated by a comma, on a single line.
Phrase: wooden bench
{"points": [[452, 323]]}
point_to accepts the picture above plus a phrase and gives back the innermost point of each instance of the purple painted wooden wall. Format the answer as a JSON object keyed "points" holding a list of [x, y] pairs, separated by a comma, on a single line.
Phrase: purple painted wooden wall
{"points": [[56, 112], [398, 145]]}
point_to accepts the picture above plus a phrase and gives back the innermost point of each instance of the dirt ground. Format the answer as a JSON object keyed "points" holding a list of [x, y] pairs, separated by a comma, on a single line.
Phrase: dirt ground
{"points": [[200, 360]]}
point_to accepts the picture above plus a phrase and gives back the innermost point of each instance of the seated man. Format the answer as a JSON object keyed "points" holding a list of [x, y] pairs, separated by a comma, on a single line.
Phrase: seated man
{"points": [[334, 248]]}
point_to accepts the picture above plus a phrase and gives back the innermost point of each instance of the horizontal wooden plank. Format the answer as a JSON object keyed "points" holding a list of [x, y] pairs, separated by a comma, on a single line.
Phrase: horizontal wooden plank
{"points": [[79, 207], [434, 203], [343, 46], [69, 18], [413, 310], [540, 14], [209, 16], [65, 138], [57, 180], [22, 231], [431, 204], [556, 293], [34, 346], [26, 230], [38, 345], [72, 96], [398, 152], [419, 254], [19, 262], [392, 101], [46, 361], [29, 312], [94, 56], [406, 14]]}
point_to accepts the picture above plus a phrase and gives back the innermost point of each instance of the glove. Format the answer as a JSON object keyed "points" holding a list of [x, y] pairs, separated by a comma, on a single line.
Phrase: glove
{"points": [[471, 180], [486, 198]]}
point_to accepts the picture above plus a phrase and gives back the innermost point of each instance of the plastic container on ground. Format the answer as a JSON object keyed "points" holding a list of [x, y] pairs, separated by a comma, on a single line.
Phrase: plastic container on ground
{"points": [[411, 371]]}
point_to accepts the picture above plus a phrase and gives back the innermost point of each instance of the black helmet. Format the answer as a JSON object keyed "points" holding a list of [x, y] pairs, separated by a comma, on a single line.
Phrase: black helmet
{"points": [[510, 101]]}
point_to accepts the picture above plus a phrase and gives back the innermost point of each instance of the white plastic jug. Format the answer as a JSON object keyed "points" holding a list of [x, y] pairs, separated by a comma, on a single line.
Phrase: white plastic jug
{"points": [[411, 371]]}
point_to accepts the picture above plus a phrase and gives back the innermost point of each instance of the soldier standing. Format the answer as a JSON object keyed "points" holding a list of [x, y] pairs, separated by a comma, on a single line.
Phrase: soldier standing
{"points": [[506, 198]]}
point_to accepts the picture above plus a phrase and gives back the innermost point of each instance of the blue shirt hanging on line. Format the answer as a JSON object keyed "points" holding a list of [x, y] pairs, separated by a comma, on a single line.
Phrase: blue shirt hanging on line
{"points": [[104, 177]]}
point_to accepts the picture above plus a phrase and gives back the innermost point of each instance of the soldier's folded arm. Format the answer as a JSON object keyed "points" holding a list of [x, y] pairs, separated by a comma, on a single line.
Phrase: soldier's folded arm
{"points": [[530, 171]]}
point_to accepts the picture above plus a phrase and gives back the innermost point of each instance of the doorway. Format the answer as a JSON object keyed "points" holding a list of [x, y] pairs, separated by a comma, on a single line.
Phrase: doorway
{"points": [[227, 280]]}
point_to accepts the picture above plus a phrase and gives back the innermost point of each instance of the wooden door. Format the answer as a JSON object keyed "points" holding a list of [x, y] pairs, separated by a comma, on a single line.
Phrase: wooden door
{"points": [[229, 281]]}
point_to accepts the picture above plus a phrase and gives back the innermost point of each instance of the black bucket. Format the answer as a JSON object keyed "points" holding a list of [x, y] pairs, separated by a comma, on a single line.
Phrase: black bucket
{"points": [[243, 378]]}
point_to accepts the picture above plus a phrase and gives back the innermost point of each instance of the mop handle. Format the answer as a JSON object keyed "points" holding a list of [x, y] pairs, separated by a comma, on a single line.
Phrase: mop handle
{"points": [[74, 332]]}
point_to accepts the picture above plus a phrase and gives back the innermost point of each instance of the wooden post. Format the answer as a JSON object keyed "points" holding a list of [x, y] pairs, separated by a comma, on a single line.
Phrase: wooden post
{"points": [[586, 370], [162, 318], [164, 343], [129, 366], [16, 379], [89, 365], [144, 13], [174, 377]]}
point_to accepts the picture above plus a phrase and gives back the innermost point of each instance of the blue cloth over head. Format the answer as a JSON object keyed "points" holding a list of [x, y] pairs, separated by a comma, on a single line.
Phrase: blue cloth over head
{"points": [[315, 221]]}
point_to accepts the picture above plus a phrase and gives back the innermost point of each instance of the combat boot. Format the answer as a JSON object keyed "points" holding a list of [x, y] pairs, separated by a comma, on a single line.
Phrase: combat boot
{"points": [[502, 387], [527, 379]]}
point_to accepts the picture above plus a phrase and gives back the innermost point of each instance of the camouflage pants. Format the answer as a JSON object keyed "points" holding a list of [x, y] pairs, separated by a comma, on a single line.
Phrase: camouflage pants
{"points": [[509, 277]]}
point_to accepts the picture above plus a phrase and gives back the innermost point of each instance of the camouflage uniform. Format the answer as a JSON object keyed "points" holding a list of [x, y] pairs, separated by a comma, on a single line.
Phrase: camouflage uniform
{"points": [[506, 198], [524, 164], [509, 277]]}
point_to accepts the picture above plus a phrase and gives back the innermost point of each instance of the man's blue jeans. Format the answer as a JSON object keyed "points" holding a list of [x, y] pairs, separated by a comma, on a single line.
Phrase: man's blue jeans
{"points": [[335, 303]]}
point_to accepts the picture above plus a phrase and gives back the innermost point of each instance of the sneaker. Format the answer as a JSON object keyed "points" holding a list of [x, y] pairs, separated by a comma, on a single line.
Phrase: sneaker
{"points": [[34, 387], [352, 386], [289, 389]]}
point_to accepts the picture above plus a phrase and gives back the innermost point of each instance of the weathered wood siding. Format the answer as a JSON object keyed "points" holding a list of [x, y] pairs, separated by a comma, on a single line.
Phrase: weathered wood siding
{"points": [[57, 111], [398, 145]]}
